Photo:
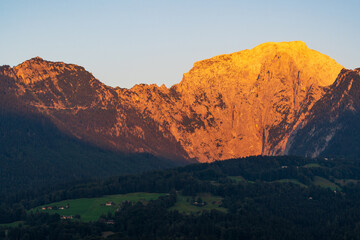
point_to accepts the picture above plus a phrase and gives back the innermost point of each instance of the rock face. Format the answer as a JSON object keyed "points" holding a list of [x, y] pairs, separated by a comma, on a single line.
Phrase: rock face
{"points": [[246, 103], [82, 106], [332, 126], [251, 101]]}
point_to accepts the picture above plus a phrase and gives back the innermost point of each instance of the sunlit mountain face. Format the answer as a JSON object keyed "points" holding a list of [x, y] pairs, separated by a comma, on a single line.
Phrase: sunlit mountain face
{"points": [[250, 102]]}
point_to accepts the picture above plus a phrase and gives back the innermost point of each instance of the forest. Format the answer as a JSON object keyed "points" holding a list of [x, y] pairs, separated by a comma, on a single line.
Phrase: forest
{"points": [[34, 154], [264, 197]]}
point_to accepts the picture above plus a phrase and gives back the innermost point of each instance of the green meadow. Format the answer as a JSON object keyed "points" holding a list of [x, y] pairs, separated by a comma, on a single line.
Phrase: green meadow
{"points": [[312, 165], [90, 209], [322, 182], [237, 179], [13, 224], [295, 181], [184, 204]]}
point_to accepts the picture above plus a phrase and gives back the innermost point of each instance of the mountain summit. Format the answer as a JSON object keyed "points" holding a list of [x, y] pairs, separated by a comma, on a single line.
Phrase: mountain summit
{"points": [[244, 67], [233, 105], [264, 92]]}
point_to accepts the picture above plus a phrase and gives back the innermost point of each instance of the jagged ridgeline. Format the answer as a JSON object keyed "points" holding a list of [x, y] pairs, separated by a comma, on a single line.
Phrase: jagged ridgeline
{"points": [[275, 99], [246, 103]]}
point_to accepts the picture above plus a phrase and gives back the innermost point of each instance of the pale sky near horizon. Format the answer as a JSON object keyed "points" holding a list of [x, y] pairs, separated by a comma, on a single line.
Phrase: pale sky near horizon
{"points": [[130, 42]]}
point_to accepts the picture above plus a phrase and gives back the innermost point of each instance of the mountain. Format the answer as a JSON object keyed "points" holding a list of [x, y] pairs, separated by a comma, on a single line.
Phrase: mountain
{"points": [[83, 107], [35, 155], [331, 127], [250, 102]]}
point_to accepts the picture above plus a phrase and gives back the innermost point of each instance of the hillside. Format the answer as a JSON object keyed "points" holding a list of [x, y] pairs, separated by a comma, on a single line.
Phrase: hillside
{"points": [[34, 155], [251, 198]]}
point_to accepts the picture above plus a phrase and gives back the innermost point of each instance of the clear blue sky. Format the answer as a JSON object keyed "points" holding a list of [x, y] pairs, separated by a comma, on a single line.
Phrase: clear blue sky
{"points": [[128, 42]]}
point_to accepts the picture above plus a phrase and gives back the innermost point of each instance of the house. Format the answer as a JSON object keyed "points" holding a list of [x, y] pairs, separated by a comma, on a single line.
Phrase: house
{"points": [[66, 217], [49, 208], [109, 204], [61, 208], [199, 204], [110, 221], [43, 208]]}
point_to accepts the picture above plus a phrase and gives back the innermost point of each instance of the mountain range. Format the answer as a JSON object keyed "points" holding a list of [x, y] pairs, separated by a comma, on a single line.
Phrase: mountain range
{"points": [[275, 99]]}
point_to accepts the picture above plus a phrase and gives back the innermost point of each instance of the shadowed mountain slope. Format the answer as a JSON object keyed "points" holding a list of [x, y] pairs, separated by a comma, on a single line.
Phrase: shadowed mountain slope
{"points": [[34, 154], [332, 127]]}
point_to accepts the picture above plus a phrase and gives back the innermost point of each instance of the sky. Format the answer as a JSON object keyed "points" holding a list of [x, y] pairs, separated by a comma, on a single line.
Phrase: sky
{"points": [[123, 43]]}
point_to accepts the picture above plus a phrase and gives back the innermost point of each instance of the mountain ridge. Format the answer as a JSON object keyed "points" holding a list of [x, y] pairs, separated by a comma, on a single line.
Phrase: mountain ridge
{"points": [[331, 125], [232, 105]]}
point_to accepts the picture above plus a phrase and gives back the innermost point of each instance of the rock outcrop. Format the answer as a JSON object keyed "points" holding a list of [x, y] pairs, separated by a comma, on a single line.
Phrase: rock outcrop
{"points": [[332, 126], [246, 103]]}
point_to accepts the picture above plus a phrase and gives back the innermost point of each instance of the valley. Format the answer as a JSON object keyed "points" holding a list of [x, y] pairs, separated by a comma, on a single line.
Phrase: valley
{"points": [[240, 195]]}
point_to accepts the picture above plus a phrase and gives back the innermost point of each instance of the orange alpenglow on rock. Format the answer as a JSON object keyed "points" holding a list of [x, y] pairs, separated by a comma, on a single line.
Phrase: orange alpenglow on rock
{"points": [[232, 105], [243, 68], [264, 93]]}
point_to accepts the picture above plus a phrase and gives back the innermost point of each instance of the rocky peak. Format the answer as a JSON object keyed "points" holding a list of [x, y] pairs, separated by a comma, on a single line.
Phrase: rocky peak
{"points": [[36, 59], [346, 77], [36, 70], [263, 92], [232, 105], [232, 71], [331, 126], [344, 94], [6, 70]]}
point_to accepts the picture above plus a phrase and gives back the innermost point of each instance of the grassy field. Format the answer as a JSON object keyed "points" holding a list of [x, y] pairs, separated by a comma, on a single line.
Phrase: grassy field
{"points": [[312, 165], [237, 178], [343, 182], [322, 182], [13, 224], [295, 181], [184, 203], [90, 209]]}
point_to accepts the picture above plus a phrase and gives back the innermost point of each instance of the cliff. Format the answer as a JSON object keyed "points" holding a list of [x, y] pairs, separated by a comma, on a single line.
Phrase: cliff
{"points": [[234, 105]]}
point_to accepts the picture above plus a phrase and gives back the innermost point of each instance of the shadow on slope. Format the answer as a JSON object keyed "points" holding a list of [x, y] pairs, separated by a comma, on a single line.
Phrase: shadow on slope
{"points": [[35, 154]]}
